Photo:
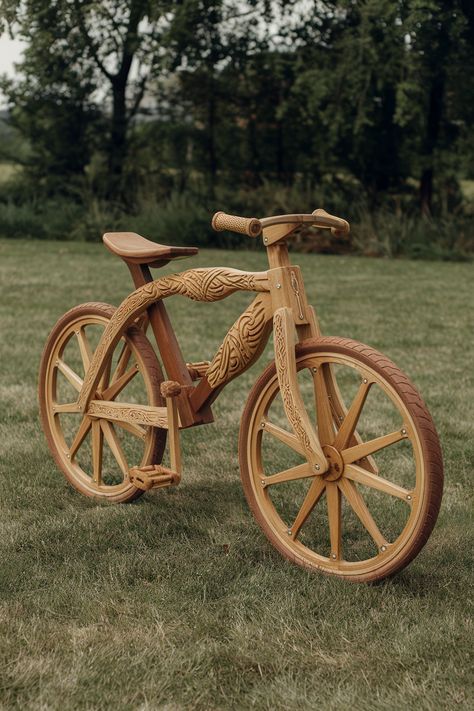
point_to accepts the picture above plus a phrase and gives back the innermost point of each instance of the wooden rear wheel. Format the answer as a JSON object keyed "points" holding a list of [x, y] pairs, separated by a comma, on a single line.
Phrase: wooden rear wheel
{"points": [[371, 513], [96, 454]]}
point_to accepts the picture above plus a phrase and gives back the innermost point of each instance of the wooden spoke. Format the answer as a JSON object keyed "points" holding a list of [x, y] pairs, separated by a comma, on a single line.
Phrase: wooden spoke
{"points": [[97, 448], [353, 454], [354, 497], [312, 497], [84, 347], [115, 446], [302, 471], [105, 378], [336, 402], [75, 380], [136, 430], [65, 407], [362, 476], [122, 363], [339, 411], [323, 407], [350, 421], [81, 434], [284, 436], [333, 497], [118, 385]]}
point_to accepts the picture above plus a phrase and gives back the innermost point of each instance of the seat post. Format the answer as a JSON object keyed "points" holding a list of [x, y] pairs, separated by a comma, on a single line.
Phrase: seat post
{"points": [[169, 349]]}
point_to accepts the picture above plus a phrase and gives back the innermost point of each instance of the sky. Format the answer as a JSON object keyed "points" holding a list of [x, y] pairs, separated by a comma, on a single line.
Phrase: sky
{"points": [[10, 52]]}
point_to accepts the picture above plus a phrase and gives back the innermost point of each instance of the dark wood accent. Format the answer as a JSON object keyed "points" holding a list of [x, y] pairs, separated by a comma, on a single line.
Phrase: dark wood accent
{"points": [[203, 395], [134, 249], [170, 353]]}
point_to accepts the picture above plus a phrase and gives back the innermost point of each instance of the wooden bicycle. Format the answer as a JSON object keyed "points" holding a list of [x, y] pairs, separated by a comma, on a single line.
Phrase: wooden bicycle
{"points": [[329, 420]]}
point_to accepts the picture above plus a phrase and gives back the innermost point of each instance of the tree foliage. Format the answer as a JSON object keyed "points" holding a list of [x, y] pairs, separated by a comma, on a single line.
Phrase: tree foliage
{"points": [[375, 96]]}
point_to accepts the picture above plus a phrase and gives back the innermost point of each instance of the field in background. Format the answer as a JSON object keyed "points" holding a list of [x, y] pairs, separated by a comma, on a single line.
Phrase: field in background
{"points": [[178, 601]]}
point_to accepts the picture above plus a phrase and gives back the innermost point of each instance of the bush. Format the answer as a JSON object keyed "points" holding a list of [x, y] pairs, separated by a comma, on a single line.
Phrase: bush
{"points": [[184, 218], [54, 219]]}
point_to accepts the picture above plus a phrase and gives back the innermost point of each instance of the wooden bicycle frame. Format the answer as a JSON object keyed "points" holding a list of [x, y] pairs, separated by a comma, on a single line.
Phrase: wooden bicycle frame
{"points": [[280, 303]]}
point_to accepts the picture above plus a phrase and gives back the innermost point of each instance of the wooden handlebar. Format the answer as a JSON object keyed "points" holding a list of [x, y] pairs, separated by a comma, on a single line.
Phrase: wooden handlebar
{"points": [[335, 224], [249, 226]]}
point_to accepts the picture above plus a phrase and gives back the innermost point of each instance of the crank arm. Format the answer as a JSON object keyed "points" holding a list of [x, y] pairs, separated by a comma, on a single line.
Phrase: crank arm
{"points": [[285, 341]]}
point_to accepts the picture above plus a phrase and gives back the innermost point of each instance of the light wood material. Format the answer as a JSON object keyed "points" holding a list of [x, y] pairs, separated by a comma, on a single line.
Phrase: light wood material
{"points": [[122, 404], [333, 498], [243, 343], [361, 476], [199, 369], [323, 408], [283, 327], [153, 476], [279, 227], [170, 391], [196, 284], [341, 482], [339, 411], [288, 438], [128, 412], [249, 226], [59, 418], [170, 352], [315, 491], [287, 289]]}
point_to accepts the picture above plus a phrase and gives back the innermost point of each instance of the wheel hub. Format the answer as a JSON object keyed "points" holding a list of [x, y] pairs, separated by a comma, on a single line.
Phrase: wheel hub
{"points": [[335, 461]]}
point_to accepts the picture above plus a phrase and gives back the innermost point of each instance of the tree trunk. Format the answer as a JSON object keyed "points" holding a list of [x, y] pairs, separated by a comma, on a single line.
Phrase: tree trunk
{"points": [[253, 172], [118, 140], [211, 140], [426, 191], [280, 157], [433, 125]]}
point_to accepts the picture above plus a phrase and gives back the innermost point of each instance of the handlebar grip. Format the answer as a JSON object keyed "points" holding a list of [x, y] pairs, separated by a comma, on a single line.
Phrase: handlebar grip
{"points": [[336, 224], [249, 226]]}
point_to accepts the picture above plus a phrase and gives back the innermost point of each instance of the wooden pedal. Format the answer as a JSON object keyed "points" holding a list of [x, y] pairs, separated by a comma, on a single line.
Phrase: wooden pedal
{"points": [[153, 476]]}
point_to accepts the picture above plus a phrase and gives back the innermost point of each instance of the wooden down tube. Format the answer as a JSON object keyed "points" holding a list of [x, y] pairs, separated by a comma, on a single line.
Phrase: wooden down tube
{"points": [[241, 347]]}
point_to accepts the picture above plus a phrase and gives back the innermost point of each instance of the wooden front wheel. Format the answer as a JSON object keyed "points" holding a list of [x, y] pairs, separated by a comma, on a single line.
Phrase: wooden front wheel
{"points": [[371, 513], [95, 454]]}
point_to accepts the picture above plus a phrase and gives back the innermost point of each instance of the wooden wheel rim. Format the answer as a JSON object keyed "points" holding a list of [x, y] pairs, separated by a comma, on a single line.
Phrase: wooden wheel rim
{"points": [[295, 548], [71, 467]]}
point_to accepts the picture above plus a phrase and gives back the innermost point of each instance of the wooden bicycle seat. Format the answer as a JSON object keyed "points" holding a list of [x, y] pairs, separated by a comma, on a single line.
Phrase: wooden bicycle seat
{"points": [[138, 250]]}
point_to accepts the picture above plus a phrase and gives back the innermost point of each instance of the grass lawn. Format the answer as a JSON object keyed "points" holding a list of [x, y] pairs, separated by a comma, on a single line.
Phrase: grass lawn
{"points": [[178, 601]]}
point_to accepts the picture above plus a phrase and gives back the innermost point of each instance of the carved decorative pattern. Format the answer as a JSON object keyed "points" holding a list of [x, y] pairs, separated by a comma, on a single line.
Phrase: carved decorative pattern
{"points": [[138, 414], [281, 357], [242, 343], [197, 284]]}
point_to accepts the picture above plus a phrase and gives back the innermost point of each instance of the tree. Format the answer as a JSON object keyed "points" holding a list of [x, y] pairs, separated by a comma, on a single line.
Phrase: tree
{"points": [[435, 95], [109, 49]]}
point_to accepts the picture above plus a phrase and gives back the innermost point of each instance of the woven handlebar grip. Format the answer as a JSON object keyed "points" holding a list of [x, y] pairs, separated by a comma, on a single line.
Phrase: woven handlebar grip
{"points": [[244, 225], [336, 224]]}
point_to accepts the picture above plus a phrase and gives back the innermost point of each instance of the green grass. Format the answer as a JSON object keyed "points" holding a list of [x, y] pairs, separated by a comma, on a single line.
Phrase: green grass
{"points": [[178, 601]]}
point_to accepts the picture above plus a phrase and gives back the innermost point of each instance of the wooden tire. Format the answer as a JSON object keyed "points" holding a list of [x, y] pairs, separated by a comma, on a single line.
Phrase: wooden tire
{"points": [[95, 454], [328, 523]]}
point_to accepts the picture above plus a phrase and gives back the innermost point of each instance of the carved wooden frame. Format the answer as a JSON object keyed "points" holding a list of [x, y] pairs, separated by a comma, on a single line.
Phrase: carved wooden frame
{"points": [[209, 284], [280, 300]]}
